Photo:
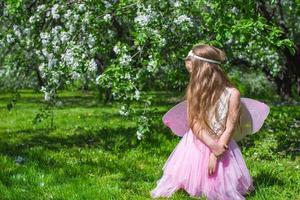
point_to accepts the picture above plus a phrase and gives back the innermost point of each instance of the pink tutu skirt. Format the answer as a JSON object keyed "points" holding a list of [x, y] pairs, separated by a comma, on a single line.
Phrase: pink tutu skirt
{"points": [[187, 168]]}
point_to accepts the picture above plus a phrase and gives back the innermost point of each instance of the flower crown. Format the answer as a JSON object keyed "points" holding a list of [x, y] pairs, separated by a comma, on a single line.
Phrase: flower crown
{"points": [[201, 58]]}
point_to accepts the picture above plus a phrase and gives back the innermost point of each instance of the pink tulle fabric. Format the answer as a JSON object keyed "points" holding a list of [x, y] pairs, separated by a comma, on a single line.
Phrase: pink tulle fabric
{"points": [[187, 168]]}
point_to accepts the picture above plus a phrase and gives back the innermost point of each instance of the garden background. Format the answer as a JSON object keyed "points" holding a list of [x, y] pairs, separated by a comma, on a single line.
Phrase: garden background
{"points": [[84, 85]]}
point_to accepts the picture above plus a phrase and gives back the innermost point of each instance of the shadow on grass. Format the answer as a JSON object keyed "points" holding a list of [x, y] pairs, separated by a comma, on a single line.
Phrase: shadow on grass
{"points": [[108, 139], [104, 139], [88, 99], [262, 180], [266, 178], [35, 146], [67, 102], [289, 146]]}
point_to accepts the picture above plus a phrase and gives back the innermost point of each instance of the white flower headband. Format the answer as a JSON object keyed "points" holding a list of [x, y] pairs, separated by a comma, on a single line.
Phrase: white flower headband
{"points": [[201, 58]]}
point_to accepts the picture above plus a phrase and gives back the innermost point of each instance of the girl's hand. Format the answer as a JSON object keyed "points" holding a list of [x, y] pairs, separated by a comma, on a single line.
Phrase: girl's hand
{"points": [[219, 149], [212, 163]]}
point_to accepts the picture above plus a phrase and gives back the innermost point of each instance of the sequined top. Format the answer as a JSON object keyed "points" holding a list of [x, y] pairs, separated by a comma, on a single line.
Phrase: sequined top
{"points": [[218, 125]]}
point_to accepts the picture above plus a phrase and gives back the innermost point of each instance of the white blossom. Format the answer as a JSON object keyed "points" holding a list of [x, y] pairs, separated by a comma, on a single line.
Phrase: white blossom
{"points": [[76, 17], [10, 38], [123, 111], [107, 4], [5, 11], [50, 56], [75, 75], [110, 33], [81, 7], [229, 42], [45, 52], [27, 31], [19, 159], [116, 49], [125, 59], [72, 28], [59, 103], [183, 18], [68, 58], [54, 11], [107, 17], [162, 42], [127, 76], [144, 15], [41, 8], [91, 40], [142, 19], [42, 70], [48, 13], [86, 17], [137, 94], [64, 37], [54, 78], [235, 10], [52, 61], [55, 48], [98, 78], [31, 19], [56, 30], [151, 65], [67, 14], [45, 37], [47, 96], [92, 65], [139, 135], [177, 4], [16, 30]]}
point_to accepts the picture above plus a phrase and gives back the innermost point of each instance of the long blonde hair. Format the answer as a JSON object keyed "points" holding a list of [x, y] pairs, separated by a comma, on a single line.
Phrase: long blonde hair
{"points": [[206, 84]]}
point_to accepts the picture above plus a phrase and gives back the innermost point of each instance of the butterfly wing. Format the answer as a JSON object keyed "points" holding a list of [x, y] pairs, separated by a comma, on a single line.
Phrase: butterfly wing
{"points": [[253, 115], [176, 119]]}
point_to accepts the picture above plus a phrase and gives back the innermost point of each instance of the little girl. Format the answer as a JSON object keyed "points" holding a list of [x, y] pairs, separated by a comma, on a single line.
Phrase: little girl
{"points": [[207, 162]]}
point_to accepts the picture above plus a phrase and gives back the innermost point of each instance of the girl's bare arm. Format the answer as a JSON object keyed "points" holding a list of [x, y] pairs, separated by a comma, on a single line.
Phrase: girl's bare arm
{"points": [[213, 144], [232, 118]]}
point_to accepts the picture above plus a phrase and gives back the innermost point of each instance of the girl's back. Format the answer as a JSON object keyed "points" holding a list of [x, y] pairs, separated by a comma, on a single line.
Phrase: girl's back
{"points": [[187, 166]]}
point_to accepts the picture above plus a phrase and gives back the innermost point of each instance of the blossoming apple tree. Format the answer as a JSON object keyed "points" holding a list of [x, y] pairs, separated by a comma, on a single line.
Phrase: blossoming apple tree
{"points": [[122, 47]]}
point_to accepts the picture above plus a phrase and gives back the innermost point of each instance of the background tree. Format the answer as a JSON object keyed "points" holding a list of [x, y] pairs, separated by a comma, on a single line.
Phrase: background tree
{"points": [[122, 48]]}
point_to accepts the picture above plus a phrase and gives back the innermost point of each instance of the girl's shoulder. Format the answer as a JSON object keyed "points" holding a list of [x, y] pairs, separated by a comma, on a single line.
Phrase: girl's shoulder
{"points": [[232, 90], [233, 93]]}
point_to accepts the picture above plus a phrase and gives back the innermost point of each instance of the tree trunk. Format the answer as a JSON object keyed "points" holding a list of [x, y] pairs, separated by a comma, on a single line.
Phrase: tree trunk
{"points": [[284, 83], [290, 74], [107, 92], [85, 86], [297, 68], [39, 78]]}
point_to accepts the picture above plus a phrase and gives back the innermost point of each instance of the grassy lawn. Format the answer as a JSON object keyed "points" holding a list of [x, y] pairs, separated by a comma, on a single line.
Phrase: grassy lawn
{"points": [[93, 153]]}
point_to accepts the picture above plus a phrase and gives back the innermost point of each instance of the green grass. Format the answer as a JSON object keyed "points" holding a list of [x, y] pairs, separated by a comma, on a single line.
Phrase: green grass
{"points": [[93, 153]]}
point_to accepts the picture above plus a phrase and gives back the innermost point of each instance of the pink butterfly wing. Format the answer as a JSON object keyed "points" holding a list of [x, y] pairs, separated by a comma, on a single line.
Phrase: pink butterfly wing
{"points": [[176, 119], [253, 114], [258, 111]]}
